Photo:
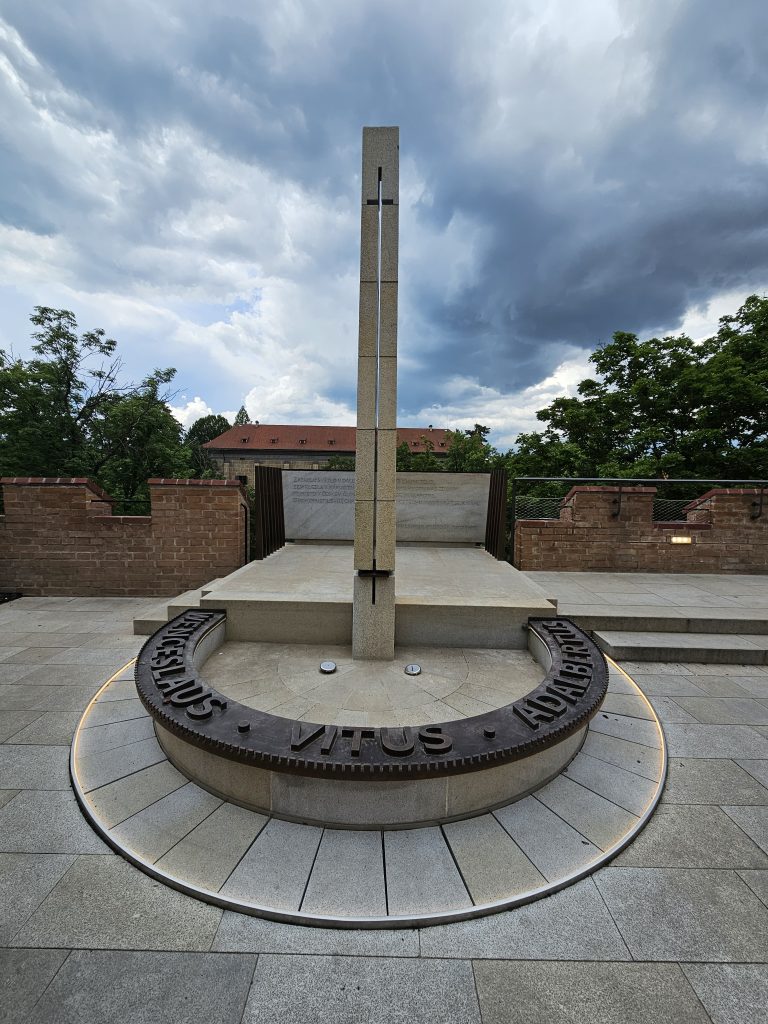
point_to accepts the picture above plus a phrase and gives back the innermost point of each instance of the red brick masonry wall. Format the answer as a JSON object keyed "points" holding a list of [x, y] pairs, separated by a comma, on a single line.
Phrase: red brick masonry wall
{"points": [[587, 538], [59, 537]]}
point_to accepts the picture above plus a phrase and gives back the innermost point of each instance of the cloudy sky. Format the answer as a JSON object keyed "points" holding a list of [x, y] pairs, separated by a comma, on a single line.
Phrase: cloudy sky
{"points": [[185, 174]]}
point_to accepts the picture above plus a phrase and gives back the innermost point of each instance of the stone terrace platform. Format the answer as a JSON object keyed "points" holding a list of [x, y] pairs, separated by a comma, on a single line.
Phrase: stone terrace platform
{"points": [[302, 594], [675, 928]]}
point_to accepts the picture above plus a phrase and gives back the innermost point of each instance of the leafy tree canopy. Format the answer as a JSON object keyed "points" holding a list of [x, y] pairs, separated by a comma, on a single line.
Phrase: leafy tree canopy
{"points": [[203, 430], [65, 413], [241, 417], [470, 452], [663, 408]]}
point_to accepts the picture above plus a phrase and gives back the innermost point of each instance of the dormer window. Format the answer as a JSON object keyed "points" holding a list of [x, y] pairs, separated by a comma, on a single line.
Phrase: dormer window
{"points": [[302, 440], [273, 440], [331, 441], [244, 440]]}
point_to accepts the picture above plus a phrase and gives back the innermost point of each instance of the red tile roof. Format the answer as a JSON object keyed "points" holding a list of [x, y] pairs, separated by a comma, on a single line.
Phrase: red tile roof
{"points": [[284, 437]]}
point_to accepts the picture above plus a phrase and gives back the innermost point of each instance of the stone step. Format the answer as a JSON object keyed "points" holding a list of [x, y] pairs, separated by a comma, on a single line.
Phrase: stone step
{"points": [[151, 621], [165, 610], [658, 621], [706, 648]]}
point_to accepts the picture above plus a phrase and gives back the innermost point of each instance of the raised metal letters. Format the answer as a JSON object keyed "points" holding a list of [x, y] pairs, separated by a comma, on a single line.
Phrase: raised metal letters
{"points": [[175, 693]]}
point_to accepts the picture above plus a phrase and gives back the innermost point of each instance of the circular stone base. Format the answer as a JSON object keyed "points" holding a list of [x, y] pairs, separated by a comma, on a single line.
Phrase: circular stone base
{"points": [[454, 682], [242, 860], [367, 804]]}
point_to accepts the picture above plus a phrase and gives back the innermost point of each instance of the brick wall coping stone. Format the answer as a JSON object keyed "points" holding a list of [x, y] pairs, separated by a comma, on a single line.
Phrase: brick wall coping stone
{"points": [[56, 481], [583, 488], [715, 491]]}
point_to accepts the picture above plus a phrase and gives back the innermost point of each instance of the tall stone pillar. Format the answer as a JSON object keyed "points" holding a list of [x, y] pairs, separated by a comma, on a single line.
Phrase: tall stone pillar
{"points": [[373, 617]]}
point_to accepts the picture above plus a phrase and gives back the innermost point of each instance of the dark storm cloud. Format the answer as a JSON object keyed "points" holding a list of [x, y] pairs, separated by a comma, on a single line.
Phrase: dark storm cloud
{"points": [[666, 205]]}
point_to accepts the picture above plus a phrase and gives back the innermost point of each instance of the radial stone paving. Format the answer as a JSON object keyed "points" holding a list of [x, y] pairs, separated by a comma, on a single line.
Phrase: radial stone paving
{"points": [[291, 871]]}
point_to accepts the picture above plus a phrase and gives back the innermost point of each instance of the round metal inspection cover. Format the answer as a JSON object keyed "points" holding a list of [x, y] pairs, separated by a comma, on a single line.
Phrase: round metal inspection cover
{"points": [[413, 670], [327, 667]]}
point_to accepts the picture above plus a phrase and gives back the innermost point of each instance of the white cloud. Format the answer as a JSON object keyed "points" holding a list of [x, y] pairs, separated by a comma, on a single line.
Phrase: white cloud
{"points": [[192, 410], [466, 402]]}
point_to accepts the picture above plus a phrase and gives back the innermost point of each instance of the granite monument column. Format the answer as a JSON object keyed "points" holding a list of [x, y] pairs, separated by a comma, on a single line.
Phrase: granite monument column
{"points": [[373, 617]]}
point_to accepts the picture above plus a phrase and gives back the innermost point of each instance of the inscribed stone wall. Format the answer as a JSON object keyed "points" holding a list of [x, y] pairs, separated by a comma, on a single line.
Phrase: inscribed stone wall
{"points": [[58, 537], [431, 507]]}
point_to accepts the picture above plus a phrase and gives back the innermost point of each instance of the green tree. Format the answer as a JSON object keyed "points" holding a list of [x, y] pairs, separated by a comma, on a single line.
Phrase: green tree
{"points": [[403, 458], [662, 408], [341, 462], [200, 432], [241, 417], [64, 413], [469, 451]]}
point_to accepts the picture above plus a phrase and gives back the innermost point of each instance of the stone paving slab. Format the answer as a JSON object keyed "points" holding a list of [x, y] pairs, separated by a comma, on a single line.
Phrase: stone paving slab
{"points": [[669, 711], [666, 684], [757, 882], [623, 727], [102, 902], [553, 846], [24, 976], [13, 722], [153, 831], [96, 770], [49, 728], [693, 837], [139, 988], [241, 933], [725, 710], [731, 993], [46, 821], [685, 915], [275, 869], [627, 704], [491, 863], [573, 924], [598, 819], [64, 675], [699, 780], [123, 798], [116, 734], [599, 993], [716, 741], [758, 769], [422, 876], [32, 767], [753, 821], [25, 881], [632, 757], [361, 991], [6, 795], [111, 712], [347, 876], [207, 855], [628, 790]]}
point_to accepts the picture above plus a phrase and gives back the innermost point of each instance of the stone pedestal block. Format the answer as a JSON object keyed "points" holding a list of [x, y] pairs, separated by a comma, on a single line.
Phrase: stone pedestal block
{"points": [[373, 625]]}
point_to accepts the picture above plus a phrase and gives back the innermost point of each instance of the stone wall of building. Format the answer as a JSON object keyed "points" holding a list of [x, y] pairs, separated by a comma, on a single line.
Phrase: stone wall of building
{"points": [[718, 534], [59, 537]]}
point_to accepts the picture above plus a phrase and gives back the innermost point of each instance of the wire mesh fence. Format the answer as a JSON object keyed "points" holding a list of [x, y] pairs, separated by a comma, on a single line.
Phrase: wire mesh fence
{"points": [[676, 500]]}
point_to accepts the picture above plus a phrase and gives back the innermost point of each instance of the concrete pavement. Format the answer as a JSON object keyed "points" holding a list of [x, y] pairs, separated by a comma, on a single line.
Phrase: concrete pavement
{"points": [[675, 928]]}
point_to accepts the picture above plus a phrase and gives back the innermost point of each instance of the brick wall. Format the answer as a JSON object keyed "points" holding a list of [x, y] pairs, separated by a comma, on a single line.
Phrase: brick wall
{"points": [[589, 538], [59, 537]]}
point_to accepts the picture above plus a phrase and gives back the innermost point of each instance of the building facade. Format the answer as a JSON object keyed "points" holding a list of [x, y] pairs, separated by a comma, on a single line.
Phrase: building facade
{"points": [[287, 446]]}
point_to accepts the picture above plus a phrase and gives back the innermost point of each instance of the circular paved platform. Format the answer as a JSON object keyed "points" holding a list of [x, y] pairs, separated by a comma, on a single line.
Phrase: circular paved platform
{"points": [[187, 838], [453, 683]]}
